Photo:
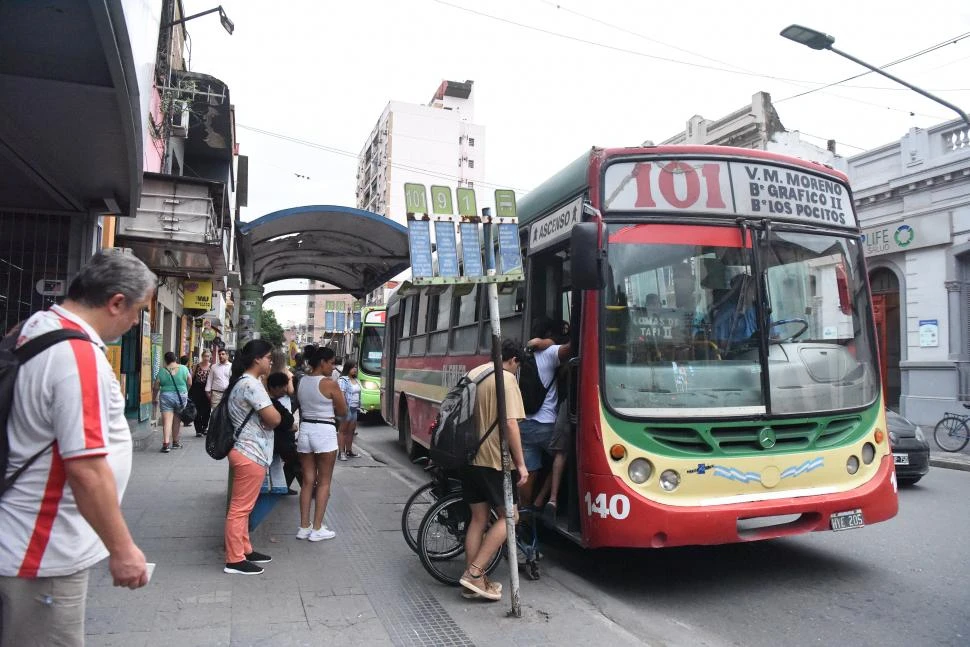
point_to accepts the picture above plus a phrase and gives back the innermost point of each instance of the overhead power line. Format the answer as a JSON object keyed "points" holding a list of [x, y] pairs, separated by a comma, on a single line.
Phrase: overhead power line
{"points": [[666, 59], [931, 48], [356, 156]]}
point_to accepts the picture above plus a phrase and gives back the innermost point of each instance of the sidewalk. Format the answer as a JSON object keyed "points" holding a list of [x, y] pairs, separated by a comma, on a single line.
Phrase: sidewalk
{"points": [[950, 460], [365, 587]]}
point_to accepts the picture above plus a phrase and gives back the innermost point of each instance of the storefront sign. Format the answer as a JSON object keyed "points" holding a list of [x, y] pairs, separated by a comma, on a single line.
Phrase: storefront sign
{"points": [[146, 374], [906, 234], [197, 295]]}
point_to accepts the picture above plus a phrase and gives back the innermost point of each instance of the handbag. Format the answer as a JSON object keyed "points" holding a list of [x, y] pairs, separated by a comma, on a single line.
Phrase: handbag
{"points": [[187, 410]]}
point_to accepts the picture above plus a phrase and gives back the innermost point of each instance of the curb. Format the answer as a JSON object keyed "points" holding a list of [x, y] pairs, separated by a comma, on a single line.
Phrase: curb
{"points": [[962, 464]]}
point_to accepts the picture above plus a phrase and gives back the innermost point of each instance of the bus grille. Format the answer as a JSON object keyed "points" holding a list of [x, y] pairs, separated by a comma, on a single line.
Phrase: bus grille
{"points": [[685, 439], [743, 439], [837, 430]]}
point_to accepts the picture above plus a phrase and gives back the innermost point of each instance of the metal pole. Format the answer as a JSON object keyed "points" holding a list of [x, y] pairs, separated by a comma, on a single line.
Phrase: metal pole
{"points": [[516, 610], [912, 87]]}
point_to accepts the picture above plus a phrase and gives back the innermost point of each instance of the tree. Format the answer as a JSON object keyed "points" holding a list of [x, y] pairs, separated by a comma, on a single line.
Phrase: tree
{"points": [[270, 330]]}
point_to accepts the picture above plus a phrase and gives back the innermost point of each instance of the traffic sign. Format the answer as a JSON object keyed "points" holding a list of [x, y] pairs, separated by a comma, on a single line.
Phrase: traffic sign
{"points": [[441, 200], [466, 202], [415, 198], [505, 203]]}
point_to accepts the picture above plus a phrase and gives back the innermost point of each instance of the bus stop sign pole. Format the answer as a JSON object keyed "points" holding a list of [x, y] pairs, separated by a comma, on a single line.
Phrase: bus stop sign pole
{"points": [[516, 610]]}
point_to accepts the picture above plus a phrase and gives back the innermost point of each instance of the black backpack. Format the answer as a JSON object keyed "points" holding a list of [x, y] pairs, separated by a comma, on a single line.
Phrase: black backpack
{"points": [[11, 359], [530, 383], [454, 437], [221, 437]]}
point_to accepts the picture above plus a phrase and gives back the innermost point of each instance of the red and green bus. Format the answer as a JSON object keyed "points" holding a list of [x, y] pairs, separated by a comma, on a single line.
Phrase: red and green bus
{"points": [[726, 386]]}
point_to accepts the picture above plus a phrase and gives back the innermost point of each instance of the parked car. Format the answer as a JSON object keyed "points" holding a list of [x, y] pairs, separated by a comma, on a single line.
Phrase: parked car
{"points": [[911, 452]]}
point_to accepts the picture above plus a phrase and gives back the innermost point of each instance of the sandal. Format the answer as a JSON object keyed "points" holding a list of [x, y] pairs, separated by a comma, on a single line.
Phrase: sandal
{"points": [[480, 584]]}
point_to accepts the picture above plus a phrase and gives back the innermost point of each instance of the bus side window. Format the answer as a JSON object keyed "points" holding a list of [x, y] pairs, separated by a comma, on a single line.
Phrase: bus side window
{"points": [[439, 320], [407, 326], [465, 318], [419, 343]]}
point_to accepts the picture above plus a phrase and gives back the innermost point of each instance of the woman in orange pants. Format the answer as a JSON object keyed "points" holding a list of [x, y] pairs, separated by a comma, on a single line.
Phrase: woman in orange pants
{"points": [[253, 418]]}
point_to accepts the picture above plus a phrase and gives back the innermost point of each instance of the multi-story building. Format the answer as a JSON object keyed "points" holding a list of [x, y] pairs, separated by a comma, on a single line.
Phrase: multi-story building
{"points": [[330, 318], [756, 126], [913, 201], [433, 143]]}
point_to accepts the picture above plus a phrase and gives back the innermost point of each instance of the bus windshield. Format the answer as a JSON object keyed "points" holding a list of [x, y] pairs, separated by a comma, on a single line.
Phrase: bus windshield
{"points": [[687, 306], [371, 349]]}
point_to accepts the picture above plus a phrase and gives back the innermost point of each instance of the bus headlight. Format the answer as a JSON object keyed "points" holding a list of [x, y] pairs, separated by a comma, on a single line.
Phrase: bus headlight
{"points": [[868, 453], [669, 480], [370, 386], [852, 465], [640, 470]]}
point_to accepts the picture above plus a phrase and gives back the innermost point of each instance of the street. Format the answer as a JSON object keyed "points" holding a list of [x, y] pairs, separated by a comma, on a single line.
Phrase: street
{"points": [[898, 583]]}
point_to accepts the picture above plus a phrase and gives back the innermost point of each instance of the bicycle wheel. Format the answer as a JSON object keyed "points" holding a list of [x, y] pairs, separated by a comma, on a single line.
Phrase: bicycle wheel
{"points": [[951, 434], [441, 540], [414, 510]]}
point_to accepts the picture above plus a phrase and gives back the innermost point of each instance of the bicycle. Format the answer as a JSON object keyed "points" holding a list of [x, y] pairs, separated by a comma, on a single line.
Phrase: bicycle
{"points": [[952, 433], [422, 499], [440, 538]]}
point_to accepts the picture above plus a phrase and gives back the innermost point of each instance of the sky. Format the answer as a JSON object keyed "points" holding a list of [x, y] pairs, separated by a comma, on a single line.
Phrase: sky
{"points": [[555, 78]]}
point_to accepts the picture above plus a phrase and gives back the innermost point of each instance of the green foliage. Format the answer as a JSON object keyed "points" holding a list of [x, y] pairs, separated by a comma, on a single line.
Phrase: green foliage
{"points": [[270, 329]]}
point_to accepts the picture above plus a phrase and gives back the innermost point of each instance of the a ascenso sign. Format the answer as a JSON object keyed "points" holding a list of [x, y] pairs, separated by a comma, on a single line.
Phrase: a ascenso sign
{"points": [[734, 188], [555, 226]]}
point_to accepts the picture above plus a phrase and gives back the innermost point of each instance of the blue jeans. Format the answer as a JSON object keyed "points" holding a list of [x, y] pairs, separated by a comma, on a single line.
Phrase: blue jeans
{"points": [[535, 441]]}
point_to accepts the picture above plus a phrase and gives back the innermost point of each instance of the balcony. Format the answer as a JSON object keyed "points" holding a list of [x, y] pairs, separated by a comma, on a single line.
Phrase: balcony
{"points": [[181, 228]]}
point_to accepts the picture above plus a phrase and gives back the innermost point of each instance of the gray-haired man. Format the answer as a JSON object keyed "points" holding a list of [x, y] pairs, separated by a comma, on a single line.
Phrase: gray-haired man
{"points": [[63, 514]]}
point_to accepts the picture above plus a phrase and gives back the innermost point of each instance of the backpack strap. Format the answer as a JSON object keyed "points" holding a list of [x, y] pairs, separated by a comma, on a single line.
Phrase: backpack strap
{"points": [[26, 352], [479, 380], [40, 343]]}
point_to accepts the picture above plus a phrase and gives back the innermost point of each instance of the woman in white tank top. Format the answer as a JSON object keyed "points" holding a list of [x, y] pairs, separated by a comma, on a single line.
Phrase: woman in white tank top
{"points": [[320, 402]]}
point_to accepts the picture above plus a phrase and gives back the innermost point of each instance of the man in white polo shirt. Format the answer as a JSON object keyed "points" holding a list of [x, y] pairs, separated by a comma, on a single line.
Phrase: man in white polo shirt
{"points": [[218, 380], [63, 514]]}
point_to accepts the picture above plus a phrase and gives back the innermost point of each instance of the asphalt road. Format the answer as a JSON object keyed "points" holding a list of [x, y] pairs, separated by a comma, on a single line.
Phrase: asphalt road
{"points": [[902, 582]]}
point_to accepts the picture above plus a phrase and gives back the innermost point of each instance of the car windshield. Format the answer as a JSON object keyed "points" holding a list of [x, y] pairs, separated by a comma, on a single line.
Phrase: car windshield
{"points": [[687, 306], [371, 349]]}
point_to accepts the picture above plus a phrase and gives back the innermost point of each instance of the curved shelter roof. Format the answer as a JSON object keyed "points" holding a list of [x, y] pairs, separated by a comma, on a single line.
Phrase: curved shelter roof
{"points": [[354, 250]]}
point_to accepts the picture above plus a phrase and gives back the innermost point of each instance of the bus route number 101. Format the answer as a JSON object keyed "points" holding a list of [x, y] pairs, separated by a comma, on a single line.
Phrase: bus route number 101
{"points": [[618, 506]]}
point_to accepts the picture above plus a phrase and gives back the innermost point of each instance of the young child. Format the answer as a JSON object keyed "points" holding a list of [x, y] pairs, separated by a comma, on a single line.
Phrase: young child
{"points": [[284, 443]]}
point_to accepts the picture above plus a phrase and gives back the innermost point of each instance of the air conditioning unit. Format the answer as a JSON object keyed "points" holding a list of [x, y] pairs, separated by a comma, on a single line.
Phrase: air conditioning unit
{"points": [[180, 119]]}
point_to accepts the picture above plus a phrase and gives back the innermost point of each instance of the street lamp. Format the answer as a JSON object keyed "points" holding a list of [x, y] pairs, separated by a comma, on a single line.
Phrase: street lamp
{"points": [[223, 18], [817, 40]]}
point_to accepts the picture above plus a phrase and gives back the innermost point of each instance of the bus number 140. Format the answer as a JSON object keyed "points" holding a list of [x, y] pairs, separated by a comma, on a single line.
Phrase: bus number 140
{"points": [[618, 507]]}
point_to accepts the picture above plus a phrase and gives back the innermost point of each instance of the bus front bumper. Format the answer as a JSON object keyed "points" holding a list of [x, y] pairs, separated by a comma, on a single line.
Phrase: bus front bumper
{"points": [[647, 524]]}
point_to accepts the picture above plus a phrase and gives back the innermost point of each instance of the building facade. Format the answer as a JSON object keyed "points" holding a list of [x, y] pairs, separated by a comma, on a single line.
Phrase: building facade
{"points": [[912, 197], [433, 143]]}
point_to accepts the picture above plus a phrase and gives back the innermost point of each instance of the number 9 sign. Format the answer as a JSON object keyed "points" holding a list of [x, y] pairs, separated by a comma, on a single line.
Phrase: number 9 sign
{"points": [[441, 200]]}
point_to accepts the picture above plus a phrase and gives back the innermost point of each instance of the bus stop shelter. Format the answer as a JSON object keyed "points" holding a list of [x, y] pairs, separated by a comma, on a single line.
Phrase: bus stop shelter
{"points": [[355, 251]]}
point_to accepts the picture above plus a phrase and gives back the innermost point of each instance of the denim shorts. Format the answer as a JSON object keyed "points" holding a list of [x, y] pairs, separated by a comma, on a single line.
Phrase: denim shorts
{"points": [[535, 441], [170, 401], [350, 417]]}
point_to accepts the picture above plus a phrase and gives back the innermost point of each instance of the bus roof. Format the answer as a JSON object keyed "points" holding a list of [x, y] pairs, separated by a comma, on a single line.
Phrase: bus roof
{"points": [[558, 189], [573, 179]]}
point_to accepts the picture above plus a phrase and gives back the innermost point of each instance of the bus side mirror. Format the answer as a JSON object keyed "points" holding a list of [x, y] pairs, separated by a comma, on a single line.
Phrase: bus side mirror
{"points": [[586, 257]]}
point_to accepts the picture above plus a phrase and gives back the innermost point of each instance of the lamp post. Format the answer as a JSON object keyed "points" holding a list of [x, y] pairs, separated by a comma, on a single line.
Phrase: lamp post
{"points": [[818, 40], [223, 18]]}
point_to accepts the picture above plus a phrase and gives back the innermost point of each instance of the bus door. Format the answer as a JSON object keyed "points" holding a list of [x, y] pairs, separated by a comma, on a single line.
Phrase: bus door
{"points": [[392, 334], [550, 294]]}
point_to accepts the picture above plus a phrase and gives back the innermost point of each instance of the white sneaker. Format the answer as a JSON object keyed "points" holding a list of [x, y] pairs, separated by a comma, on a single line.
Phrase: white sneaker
{"points": [[303, 533], [322, 533]]}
